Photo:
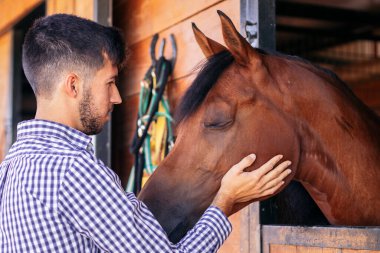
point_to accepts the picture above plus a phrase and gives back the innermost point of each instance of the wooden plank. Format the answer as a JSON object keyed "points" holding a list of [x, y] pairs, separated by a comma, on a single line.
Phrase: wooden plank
{"points": [[275, 248], [13, 11], [57, 6], [330, 237], [82, 8], [144, 18], [331, 250], [303, 249], [254, 228], [232, 244], [245, 231], [189, 53], [85, 9], [359, 251], [5, 85]]}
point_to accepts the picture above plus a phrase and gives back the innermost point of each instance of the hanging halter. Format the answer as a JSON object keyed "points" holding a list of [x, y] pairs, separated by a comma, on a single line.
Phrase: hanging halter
{"points": [[153, 109]]}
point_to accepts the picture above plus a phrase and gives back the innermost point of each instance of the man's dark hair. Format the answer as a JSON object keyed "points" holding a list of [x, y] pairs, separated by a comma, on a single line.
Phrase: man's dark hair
{"points": [[64, 42]]}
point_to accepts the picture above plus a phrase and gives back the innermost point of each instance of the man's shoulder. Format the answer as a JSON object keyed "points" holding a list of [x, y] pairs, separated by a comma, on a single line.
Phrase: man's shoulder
{"points": [[88, 164]]}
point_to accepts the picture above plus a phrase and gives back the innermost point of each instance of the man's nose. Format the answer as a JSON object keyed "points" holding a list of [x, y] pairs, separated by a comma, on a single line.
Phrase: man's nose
{"points": [[115, 96]]}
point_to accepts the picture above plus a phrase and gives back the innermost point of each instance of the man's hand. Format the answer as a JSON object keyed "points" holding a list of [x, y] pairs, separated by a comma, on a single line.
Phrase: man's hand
{"points": [[239, 186]]}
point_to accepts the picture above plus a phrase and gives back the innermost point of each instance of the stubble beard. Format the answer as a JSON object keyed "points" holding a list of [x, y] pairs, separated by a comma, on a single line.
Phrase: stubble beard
{"points": [[90, 121]]}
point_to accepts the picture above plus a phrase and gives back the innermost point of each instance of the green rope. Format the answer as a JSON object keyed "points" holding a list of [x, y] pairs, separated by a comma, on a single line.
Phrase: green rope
{"points": [[144, 109]]}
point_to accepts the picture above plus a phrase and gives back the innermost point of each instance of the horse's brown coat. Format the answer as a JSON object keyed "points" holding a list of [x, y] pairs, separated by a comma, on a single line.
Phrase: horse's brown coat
{"points": [[271, 104]]}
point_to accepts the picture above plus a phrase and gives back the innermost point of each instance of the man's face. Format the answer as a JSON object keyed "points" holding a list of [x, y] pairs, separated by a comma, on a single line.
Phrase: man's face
{"points": [[99, 96]]}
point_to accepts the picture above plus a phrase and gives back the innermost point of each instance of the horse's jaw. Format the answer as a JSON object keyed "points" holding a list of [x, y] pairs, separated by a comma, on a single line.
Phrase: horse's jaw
{"points": [[178, 204]]}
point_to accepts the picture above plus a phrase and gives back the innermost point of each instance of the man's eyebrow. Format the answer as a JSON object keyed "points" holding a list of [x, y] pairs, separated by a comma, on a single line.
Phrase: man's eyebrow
{"points": [[112, 77]]}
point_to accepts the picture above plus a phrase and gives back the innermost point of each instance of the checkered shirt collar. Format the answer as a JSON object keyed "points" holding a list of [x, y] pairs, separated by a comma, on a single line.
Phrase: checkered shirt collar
{"points": [[38, 127]]}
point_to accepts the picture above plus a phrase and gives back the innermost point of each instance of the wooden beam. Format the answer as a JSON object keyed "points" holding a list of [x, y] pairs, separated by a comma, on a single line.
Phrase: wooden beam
{"points": [[81, 8], [324, 237], [141, 19], [5, 85], [13, 11]]}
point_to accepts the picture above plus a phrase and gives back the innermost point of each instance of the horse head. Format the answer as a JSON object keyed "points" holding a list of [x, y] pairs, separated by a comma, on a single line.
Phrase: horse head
{"points": [[244, 100]]}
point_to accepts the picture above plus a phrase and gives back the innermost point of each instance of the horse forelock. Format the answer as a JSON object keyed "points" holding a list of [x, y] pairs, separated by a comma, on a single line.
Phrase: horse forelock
{"points": [[210, 71]]}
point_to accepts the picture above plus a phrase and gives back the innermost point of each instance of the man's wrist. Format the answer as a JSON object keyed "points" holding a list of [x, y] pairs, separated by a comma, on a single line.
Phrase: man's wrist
{"points": [[224, 203]]}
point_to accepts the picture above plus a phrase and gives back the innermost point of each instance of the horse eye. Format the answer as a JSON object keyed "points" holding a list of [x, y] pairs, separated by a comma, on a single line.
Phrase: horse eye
{"points": [[217, 125]]}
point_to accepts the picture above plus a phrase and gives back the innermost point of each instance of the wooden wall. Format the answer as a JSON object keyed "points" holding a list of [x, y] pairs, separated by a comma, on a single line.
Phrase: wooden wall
{"points": [[82, 8], [5, 85], [287, 239], [276, 248], [13, 11], [139, 20]]}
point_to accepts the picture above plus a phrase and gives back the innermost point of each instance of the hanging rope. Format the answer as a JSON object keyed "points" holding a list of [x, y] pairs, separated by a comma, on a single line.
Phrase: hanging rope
{"points": [[153, 138]]}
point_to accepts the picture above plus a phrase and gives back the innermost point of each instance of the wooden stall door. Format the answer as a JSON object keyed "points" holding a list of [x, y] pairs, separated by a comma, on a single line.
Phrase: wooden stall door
{"points": [[287, 239]]}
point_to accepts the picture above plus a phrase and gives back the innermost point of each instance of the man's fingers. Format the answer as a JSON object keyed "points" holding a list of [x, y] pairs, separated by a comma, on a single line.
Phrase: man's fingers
{"points": [[276, 179], [277, 171], [268, 166], [244, 163], [272, 190]]}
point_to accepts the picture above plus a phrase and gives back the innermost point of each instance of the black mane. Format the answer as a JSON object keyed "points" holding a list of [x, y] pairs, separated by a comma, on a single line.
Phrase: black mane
{"points": [[205, 80]]}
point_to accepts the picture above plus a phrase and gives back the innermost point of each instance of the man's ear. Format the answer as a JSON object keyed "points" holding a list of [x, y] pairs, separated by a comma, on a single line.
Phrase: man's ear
{"points": [[71, 85]]}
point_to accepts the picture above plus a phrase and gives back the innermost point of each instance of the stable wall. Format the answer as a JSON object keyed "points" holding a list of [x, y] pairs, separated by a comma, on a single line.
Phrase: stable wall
{"points": [[140, 20], [12, 12], [5, 84]]}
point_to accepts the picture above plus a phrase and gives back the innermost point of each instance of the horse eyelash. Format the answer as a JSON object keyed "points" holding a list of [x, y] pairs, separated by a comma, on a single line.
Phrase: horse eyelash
{"points": [[216, 125]]}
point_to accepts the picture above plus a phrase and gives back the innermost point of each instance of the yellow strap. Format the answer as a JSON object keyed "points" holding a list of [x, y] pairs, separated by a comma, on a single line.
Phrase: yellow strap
{"points": [[144, 179], [158, 132], [158, 137]]}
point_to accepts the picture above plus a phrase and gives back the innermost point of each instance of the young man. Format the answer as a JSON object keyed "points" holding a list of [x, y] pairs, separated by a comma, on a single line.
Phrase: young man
{"points": [[55, 195]]}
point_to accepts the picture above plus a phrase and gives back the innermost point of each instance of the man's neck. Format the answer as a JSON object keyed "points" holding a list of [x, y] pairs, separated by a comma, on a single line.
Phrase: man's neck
{"points": [[57, 112]]}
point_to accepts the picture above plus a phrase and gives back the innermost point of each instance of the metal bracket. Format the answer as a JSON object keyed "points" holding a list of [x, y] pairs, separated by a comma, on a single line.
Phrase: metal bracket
{"points": [[251, 31]]}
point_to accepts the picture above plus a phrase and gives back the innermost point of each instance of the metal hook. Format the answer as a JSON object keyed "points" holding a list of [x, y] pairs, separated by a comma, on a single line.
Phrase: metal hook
{"points": [[152, 49], [251, 32], [162, 49], [174, 50]]}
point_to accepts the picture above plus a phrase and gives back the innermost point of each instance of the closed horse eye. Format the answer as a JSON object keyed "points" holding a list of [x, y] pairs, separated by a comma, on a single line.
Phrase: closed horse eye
{"points": [[217, 125]]}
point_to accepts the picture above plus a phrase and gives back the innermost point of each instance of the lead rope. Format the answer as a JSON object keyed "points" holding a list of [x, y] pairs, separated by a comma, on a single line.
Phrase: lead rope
{"points": [[153, 136]]}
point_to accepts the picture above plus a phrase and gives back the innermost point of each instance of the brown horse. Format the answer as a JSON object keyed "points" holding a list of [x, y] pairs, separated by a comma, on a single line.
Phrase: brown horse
{"points": [[247, 100]]}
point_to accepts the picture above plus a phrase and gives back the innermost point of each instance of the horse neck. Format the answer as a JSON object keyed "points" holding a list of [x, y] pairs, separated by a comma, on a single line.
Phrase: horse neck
{"points": [[337, 138]]}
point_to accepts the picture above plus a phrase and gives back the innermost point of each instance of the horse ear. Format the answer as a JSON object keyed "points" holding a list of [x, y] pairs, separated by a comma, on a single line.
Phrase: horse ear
{"points": [[238, 46], [209, 47]]}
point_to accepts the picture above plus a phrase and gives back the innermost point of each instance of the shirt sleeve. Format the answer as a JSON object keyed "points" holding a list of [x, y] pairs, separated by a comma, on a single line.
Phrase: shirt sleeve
{"points": [[92, 200]]}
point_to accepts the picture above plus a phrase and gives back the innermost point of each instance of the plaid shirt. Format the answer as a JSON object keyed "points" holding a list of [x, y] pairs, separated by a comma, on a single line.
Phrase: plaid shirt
{"points": [[56, 196]]}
